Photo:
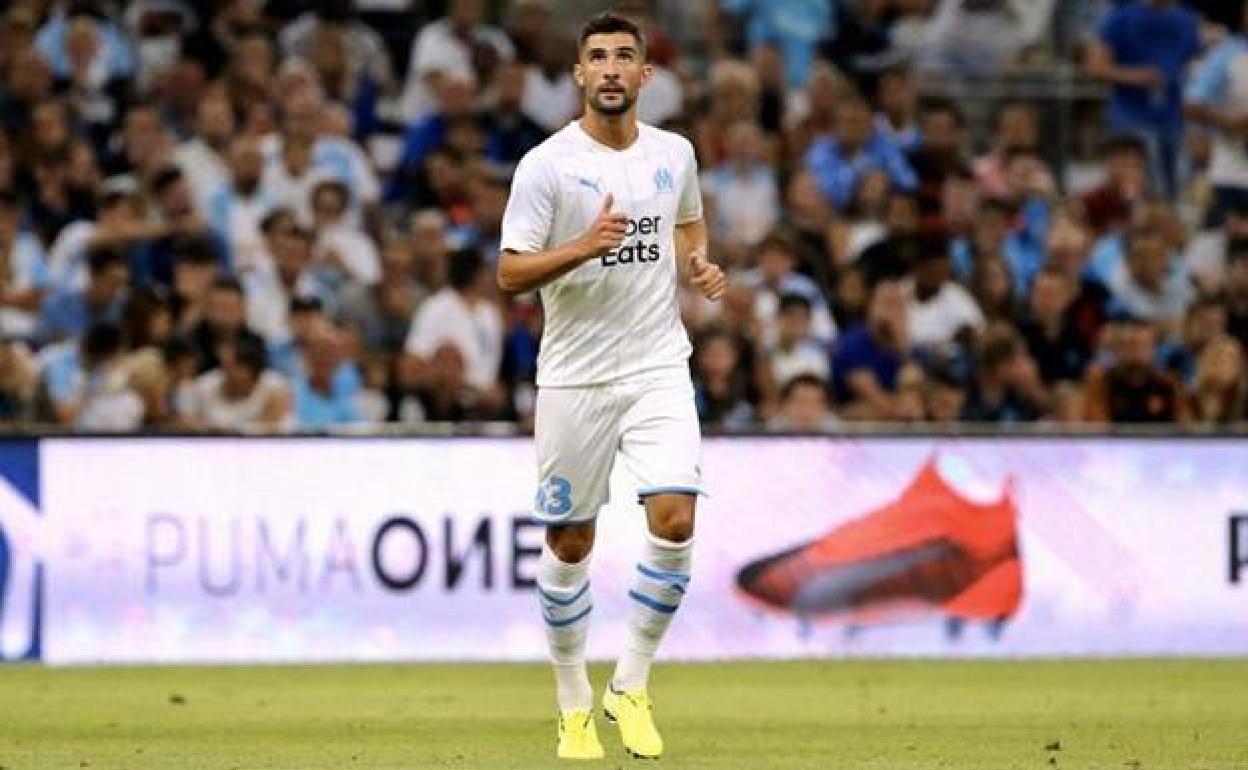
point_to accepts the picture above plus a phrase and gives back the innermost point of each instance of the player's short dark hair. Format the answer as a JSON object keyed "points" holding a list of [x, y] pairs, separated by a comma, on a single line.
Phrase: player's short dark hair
{"points": [[607, 23], [464, 267]]}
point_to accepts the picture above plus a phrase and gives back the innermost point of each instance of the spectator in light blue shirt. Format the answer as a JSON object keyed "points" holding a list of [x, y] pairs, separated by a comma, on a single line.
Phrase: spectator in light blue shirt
{"points": [[70, 313], [113, 57], [321, 399], [1217, 95], [839, 162], [795, 26], [1143, 50]]}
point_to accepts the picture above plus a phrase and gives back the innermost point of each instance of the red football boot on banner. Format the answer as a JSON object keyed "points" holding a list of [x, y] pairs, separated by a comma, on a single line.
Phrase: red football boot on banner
{"points": [[929, 550]]}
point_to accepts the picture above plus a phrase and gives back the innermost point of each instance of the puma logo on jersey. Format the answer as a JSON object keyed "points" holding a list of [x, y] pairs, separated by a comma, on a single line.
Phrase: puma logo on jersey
{"points": [[590, 183]]}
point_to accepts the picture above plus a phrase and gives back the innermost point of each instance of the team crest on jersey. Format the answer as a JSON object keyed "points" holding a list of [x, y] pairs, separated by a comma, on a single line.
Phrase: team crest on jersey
{"points": [[663, 181]]}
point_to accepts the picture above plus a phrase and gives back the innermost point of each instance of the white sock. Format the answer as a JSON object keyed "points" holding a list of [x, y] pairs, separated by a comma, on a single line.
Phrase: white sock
{"points": [[563, 592], [658, 586]]}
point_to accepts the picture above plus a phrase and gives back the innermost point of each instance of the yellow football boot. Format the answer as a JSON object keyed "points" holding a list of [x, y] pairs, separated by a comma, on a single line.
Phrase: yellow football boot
{"points": [[631, 712], [577, 737]]}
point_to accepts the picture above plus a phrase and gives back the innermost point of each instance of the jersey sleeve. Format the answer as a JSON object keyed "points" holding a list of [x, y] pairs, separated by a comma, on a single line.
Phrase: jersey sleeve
{"points": [[689, 208], [530, 213]]}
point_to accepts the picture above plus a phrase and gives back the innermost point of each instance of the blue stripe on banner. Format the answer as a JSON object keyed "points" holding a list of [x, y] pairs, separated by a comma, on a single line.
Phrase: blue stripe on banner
{"points": [[680, 578], [644, 493], [666, 609], [564, 602], [569, 621]]}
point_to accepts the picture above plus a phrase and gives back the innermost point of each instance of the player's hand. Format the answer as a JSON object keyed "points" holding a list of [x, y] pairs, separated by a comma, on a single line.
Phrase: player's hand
{"points": [[706, 276], [607, 231]]}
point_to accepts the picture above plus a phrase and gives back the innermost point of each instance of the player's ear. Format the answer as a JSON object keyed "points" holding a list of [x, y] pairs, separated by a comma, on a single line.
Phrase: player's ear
{"points": [[578, 74], [647, 72]]}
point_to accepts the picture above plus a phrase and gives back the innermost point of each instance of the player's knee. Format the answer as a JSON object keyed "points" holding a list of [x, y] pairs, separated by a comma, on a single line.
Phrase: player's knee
{"points": [[571, 545], [672, 519]]}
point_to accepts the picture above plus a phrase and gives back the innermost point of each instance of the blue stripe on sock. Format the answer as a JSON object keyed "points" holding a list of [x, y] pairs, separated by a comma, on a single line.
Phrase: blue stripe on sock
{"points": [[666, 609], [679, 578], [568, 621], [563, 602]]}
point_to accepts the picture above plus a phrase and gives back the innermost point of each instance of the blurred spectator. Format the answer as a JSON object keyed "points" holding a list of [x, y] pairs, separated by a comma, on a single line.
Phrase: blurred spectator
{"points": [[510, 132], [797, 27], [991, 285], [451, 46], [1017, 128], [551, 97], [1132, 388], [70, 312], [463, 316], [975, 38], [283, 273], [1204, 322], [87, 388], [1236, 288], [342, 250], [804, 407], [1109, 204], [27, 79], [898, 116], [796, 350], [241, 394], [239, 204], [350, 56], [868, 357], [838, 162], [1217, 96], [1049, 329], [303, 156], [175, 210], [939, 309], [1006, 387], [938, 154], [224, 319], [721, 385], [1143, 51], [733, 98], [456, 96], [203, 157], [323, 399], [23, 274], [744, 187], [776, 275], [1150, 284], [1219, 394], [120, 224], [896, 254], [19, 378]]}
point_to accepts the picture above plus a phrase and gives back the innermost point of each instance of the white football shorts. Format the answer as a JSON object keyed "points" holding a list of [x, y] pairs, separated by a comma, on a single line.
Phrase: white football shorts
{"points": [[648, 418]]}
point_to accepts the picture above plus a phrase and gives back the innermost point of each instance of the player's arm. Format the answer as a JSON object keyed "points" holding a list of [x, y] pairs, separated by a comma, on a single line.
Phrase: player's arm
{"points": [[691, 255], [521, 271]]}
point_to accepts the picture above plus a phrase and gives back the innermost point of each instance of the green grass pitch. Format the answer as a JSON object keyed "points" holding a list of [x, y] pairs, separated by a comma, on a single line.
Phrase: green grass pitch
{"points": [[846, 715]]}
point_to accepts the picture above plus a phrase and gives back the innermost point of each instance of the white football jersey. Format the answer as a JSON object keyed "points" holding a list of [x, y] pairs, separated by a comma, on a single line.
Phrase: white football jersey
{"points": [[617, 314]]}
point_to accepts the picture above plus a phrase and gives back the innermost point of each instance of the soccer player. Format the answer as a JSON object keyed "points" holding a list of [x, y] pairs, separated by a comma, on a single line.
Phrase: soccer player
{"points": [[605, 217]]}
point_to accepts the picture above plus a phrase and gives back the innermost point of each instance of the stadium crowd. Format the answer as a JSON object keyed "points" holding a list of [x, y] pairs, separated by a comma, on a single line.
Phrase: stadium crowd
{"points": [[242, 215]]}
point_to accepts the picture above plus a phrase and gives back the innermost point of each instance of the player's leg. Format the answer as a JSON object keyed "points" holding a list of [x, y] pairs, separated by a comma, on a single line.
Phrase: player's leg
{"points": [[661, 444], [575, 438]]}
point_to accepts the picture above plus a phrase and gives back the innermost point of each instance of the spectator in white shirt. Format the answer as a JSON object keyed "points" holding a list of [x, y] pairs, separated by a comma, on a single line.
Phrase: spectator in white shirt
{"points": [[202, 158], [340, 249], [236, 208], [465, 316], [550, 94], [241, 394], [938, 309], [283, 274], [796, 351], [447, 46], [23, 274], [744, 188]]}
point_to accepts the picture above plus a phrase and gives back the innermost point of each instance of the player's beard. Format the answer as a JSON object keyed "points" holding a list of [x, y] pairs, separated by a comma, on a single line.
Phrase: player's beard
{"points": [[613, 110]]}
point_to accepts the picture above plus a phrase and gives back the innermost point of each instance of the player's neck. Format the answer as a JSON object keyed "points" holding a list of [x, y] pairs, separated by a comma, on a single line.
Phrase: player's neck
{"points": [[615, 131]]}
